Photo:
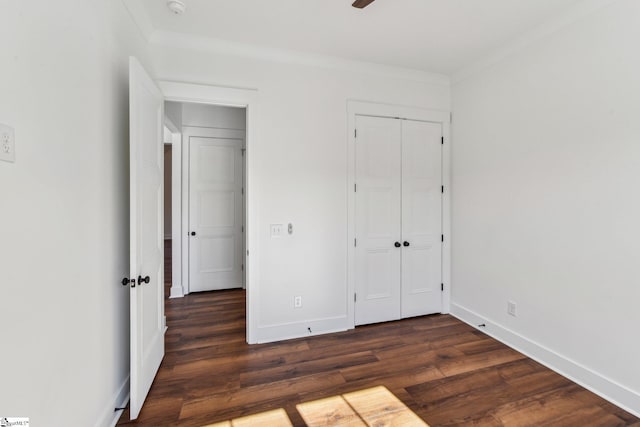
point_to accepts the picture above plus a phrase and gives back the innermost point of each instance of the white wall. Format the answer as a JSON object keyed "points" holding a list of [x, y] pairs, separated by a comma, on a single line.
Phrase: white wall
{"points": [[203, 115], [64, 210], [213, 116], [301, 156], [173, 111], [546, 175]]}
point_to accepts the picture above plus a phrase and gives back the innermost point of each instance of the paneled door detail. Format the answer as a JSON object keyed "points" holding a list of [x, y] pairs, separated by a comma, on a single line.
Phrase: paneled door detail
{"points": [[216, 216], [146, 233], [398, 216], [378, 215], [421, 218]]}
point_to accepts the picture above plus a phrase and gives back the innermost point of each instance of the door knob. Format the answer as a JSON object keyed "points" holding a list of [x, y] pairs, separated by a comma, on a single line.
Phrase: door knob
{"points": [[142, 280], [397, 244], [126, 281], [406, 243], [193, 233]]}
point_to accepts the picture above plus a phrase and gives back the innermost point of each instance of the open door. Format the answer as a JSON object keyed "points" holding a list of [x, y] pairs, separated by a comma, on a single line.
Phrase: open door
{"points": [[146, 233]]}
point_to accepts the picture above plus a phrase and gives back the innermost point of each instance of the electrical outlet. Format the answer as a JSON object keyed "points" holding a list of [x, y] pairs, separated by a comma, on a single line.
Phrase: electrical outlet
{"points": [[297, 302], [511, 308], [7, 143], [276, 230]]}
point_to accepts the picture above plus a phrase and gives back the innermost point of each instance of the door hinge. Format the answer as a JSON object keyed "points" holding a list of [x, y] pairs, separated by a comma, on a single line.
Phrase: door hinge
{"points": [[355, 242], [451, 117], [355, 133], [442, 237], [355, 297], [242, 229], [355, 188], [442, 287], [442, 187], [442, 140], [242, 151], [242, 267], [242, 191]]}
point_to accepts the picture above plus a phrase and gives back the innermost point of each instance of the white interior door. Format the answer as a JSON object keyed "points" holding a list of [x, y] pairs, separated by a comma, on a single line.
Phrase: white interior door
{"points": [[378, 219], [146, 233], [421, 218], [216, 213]]}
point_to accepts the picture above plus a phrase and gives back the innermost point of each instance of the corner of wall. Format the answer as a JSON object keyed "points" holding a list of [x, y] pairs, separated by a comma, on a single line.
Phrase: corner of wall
{"points": [[604, 387], [110, 416], [306, 328]]}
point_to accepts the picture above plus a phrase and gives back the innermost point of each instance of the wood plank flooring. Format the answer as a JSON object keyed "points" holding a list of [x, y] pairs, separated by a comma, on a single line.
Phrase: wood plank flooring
{"points": [[446, 372], [443, 370]]}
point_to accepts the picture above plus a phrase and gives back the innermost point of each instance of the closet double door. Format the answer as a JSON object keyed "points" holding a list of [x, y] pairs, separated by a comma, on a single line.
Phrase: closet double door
{"points": [[398, 215]]}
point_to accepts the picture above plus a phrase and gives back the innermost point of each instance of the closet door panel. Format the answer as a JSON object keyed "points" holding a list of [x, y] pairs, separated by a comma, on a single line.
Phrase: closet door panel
{"points": [[378, 220], [421, 218]]}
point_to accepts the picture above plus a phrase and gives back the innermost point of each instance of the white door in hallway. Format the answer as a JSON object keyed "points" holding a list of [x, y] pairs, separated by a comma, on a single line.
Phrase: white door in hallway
{"points": [[421, 218], [216, 213], [378, 219], [146, 165]]}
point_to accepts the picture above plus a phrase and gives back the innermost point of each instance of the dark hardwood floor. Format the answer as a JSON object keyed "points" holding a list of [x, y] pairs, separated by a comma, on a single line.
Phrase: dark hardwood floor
{"points": [[448, 373]]}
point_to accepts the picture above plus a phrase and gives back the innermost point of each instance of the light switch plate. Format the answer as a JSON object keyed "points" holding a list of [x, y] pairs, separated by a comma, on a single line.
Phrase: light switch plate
{"points": [[276, 230], [7, 143]]}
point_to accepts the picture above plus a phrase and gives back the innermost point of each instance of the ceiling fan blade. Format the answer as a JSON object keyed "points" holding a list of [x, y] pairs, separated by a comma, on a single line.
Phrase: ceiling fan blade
{"points": [[360, 4]]}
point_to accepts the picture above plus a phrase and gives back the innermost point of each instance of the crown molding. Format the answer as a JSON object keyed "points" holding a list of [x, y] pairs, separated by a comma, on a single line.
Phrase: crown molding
{"points": [[140, 17], [574, 14], [229, 48], [270, 54]]}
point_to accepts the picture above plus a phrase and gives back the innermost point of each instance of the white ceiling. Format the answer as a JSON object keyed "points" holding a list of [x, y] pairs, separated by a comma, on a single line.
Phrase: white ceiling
{"points": [[431, 35]]}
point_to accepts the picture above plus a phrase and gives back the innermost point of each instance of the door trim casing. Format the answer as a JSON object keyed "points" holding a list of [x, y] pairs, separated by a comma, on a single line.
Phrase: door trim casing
{"points": [[243, 98], [177, 289], [363, 108]]}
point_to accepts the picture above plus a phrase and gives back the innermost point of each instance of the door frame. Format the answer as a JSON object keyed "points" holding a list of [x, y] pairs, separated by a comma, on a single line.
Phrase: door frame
{"points": [[229, 97], [363, 108], [177, 290]]}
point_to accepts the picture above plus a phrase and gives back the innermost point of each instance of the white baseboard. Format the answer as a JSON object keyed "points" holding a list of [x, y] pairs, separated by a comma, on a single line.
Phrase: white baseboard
{"points": [[286, 331], [616, 393], [110, 417], [176, 291]]}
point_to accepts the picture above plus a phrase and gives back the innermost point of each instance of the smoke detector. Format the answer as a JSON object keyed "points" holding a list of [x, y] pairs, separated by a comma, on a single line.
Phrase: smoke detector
{"points": [[176, 6]]}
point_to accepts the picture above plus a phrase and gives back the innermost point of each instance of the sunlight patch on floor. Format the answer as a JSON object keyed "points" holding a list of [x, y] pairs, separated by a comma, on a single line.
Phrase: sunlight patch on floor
{"points": [[370, 407], [275, 418]]}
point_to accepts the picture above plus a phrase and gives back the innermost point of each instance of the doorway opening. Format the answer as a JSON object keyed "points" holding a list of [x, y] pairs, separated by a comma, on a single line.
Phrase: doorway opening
{"points": [[149, 336], [205, 207]]}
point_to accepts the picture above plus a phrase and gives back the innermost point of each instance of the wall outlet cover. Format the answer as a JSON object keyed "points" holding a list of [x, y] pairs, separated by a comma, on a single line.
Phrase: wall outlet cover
{"points": [[511, 308]]}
